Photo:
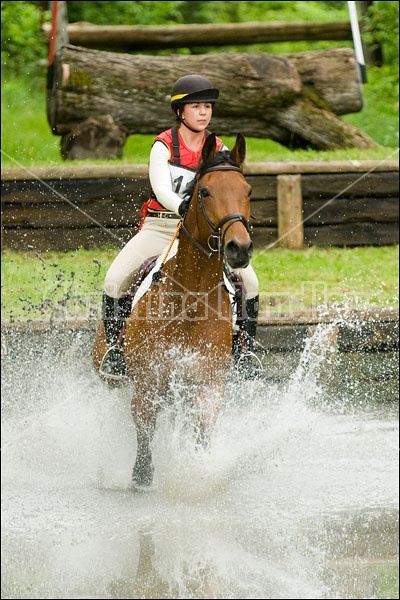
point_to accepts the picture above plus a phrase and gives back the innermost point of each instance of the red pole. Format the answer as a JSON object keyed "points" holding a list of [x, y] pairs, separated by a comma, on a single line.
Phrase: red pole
{"points": [[53, 33], [52, 45]]}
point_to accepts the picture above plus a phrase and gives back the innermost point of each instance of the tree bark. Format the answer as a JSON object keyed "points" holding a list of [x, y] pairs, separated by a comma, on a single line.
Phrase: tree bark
{"points": [[292, 99], [98, 137]]}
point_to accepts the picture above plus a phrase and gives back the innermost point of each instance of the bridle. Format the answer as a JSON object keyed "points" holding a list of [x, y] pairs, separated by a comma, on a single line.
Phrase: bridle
{"points": [[216, 241]]}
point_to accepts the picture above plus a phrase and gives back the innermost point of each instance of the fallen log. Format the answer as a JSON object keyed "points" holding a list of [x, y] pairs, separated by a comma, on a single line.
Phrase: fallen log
{"points": [[292, 99], [144, 37]]}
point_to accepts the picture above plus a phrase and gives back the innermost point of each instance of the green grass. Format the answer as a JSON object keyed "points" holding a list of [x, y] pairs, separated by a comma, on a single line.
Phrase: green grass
{"points": [[26, 135], [38, 285], [328, 277], [387, 581]]}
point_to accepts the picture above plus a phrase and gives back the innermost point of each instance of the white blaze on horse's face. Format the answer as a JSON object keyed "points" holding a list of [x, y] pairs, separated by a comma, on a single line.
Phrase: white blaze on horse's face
{"points": [[226, 201]]}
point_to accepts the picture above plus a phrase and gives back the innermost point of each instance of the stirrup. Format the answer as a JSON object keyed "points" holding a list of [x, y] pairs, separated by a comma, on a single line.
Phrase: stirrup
{"points": [[249, 366], [108, 370]]}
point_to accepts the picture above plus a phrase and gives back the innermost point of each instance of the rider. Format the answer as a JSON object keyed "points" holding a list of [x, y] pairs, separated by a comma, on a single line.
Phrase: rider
{"points": [[174, 158]]}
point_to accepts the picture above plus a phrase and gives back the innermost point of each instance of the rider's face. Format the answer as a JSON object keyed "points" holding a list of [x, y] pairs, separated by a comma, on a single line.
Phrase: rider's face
{"points": [[198, 114]]}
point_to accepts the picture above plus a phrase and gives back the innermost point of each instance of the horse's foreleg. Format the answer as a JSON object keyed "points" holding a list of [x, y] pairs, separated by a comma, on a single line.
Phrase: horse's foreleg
{"points": [[143, 470], [207, 405], [202, 435]]}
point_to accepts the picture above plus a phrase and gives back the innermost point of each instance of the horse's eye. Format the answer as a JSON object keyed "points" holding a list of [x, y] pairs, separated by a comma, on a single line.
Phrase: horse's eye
{"points": [[204, 192]]}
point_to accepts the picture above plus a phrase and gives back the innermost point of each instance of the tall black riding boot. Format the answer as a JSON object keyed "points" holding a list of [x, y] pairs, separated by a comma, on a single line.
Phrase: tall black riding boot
{"points": [[115, 312], [244, 340], [249, 322]]}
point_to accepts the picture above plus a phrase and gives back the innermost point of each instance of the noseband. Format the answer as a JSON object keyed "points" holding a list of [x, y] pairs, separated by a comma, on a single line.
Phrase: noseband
{"points": [[215, 241]]}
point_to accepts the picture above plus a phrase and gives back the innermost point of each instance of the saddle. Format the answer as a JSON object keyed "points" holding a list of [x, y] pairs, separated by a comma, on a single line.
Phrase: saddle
{"points": [[233, 283], [145, 268]]}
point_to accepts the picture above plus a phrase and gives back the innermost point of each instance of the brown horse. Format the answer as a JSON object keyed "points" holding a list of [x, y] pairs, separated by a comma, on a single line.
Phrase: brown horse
{"points": [[185, 319]]}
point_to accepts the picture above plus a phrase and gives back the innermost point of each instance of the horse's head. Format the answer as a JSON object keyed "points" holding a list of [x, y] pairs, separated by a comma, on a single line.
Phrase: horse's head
{"points": [[221, 203]]}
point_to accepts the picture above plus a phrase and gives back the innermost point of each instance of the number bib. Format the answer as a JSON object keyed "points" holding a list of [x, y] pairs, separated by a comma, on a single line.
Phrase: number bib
{"points": [[181, 178]]}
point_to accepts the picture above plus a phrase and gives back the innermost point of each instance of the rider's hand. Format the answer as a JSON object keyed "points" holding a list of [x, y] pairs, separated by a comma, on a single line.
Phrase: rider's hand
{"points": [[183, 207]]}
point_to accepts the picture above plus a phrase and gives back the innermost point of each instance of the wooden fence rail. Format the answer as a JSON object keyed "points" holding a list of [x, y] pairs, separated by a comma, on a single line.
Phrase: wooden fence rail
{"points": [[293, 204]]}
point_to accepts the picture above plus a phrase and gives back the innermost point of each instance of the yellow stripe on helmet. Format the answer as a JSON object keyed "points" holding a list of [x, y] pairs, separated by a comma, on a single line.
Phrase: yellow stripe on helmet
{"points": [[179, 97]]}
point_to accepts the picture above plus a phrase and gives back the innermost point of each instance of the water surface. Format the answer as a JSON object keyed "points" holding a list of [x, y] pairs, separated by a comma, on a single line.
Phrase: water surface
{"points": [[297, 496]]}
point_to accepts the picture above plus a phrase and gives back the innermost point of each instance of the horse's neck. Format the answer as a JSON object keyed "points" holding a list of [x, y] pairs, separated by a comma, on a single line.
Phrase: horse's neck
{"points": [[195, 269]]}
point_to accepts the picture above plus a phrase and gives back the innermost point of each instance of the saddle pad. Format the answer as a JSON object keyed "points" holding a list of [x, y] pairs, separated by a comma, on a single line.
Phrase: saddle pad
{"points": [[147, 281], [230, 287]]}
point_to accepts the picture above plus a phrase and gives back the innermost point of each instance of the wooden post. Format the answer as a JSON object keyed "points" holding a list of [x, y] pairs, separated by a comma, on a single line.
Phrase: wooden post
{"points": [[290, 211]]}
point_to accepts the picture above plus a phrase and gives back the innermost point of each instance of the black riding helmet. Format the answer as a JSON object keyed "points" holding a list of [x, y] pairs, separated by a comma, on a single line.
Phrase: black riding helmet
{"points": [[192, 88]]}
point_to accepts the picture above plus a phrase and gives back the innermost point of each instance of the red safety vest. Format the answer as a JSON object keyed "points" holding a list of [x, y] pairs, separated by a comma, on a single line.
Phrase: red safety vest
{"points": [[183, 164]]}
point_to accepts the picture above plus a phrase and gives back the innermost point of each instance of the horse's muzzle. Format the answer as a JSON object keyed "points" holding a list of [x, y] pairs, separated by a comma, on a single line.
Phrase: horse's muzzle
{"points": [[238, 255]]}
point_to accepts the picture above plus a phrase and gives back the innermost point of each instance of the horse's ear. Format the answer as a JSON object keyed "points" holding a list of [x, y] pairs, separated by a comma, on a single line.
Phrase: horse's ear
{"points": [[238, 152], [209, 148]]}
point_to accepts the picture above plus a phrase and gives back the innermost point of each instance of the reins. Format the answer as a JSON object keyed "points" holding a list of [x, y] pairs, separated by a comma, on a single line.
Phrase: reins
{"points": [[217, 228]]}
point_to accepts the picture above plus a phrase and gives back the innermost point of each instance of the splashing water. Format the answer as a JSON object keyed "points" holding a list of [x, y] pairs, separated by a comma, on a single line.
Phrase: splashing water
{"points": [[296, 497]]}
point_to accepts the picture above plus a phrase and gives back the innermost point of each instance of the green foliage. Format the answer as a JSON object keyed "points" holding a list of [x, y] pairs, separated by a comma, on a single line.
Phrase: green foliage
{"points": [[153, 13], [381, 25], [379, 116], [23, 44], [37, 285], [239, 11], [291, 11], [125, 13]]}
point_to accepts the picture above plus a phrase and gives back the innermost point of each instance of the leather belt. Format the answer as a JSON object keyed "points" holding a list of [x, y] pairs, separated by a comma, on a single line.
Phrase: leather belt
{"points": [[161, 214]]}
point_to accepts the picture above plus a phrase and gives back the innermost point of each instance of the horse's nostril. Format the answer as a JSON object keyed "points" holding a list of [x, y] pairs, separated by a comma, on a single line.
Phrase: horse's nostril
{"points": [[232, 247], [238, 255], [235, 246]]}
